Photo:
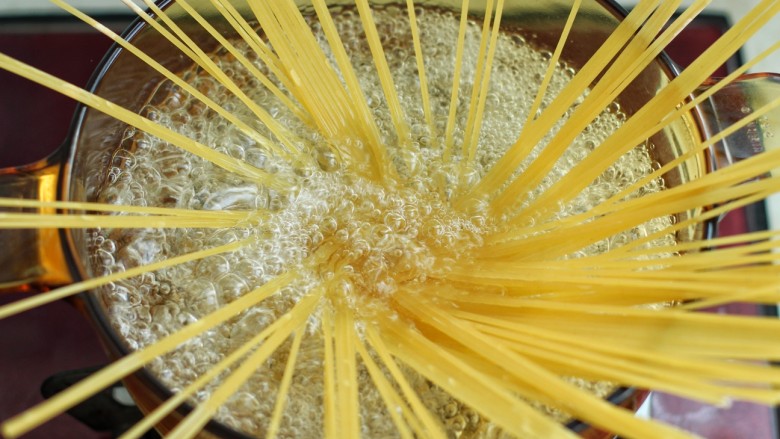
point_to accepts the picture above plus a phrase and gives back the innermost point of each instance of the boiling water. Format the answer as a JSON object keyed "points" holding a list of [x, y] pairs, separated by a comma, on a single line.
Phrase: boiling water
{"points": [[390, 236]]}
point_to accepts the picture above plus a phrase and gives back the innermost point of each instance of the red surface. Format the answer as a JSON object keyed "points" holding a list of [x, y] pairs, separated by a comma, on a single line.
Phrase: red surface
{"points": [[33, 122], [33, 119], [36, 345], [695, 39]]}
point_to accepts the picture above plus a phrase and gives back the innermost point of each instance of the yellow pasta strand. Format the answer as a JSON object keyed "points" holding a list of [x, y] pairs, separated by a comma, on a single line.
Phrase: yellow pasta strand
{"points": [[392, 400], [433, 429], [117, 208], [385, 77], [205, 61], [346, 372], [81, 221], [284, 386], [292, 321], [481, 80], [24, 422], [159, 413], [457, 68], [329, 369], [556, 56], [72, 289], [420, 60], [229, 163]]}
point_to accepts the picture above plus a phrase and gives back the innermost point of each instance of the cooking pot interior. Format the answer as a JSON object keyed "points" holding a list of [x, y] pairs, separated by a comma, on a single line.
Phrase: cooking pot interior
{"points": [[98, 140]]}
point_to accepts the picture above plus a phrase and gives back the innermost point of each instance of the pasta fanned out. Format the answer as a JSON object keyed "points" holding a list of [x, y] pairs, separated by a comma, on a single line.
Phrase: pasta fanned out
{"points": [[467, 279]]}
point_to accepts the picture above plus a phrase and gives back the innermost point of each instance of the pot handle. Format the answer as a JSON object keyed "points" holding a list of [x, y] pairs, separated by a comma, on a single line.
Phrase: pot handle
{"points": [[32, 259], [732, 103]]}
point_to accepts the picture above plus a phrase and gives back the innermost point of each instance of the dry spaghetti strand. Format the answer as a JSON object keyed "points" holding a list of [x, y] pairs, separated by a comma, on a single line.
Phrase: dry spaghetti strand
{"points": [[209, 65], [227, 115], [284, 386], [67, 291], [529, 137], [26, 421], [180, 397], [122, 208], [657, 109], [580, 403], [122, 114], [293, 321]]}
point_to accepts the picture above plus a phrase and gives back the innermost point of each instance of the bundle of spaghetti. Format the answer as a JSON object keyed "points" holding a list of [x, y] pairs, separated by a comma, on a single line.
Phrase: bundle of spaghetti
{"points": [[697, 378], [439, 329], [202, 59], [710, 368], [650, 114], [243, 126], [525, 321], [654, 286], [633, 212], [639, 53], [564, 361], [685, 333], [487, 49], [324, 95], [533, 132]]}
